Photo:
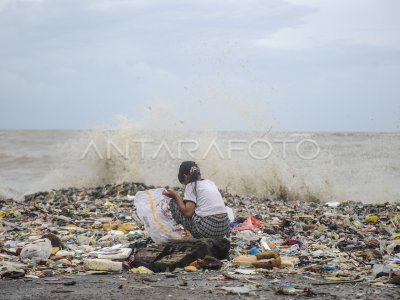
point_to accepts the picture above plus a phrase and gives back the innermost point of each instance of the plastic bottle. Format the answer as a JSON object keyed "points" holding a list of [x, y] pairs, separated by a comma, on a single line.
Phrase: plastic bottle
{"points": [[264, 244]]}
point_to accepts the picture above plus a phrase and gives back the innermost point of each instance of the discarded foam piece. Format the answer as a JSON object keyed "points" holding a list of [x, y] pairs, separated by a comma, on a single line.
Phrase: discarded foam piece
{"points": [[102, 265], [114, 253], [244, 260]]}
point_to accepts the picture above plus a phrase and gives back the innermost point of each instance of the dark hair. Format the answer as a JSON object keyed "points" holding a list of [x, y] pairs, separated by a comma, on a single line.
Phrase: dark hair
{"points": [[191, 169]]}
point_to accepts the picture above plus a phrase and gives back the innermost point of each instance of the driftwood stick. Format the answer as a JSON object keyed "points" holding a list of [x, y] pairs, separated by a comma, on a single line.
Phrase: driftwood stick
{"points": [[338, 282]]}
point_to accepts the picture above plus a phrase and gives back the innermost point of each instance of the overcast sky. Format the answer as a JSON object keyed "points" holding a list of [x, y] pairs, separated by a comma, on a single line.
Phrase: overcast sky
{"points": [[304, 65]]}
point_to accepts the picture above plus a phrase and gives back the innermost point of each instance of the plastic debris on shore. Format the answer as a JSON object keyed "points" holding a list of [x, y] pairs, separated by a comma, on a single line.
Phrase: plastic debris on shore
{"points": [[96, 230]]}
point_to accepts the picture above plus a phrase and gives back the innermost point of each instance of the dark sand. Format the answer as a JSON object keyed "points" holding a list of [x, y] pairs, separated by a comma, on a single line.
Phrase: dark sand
{"points": [[183, 286]]}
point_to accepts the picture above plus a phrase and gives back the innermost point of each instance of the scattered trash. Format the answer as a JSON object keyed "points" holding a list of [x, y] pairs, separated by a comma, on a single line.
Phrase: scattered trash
{"points": [[103, 265], [126, 228], [250, 223], [136, 234], [190, 269], [329, 268], [114, 253], [288, 290], [333, 204], [230, 213], [209, 262], [246, 271], [395, 278], [266, 245], [267, 260], [142, 270], [372, 219], [245, 260], [247, 235], [105, 229], [254, 250], [181, 253], [13, 274], [39, 249]]}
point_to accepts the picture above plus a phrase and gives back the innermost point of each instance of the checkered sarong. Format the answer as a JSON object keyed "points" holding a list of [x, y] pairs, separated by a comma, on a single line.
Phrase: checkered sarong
{"points": [[214, 226]]}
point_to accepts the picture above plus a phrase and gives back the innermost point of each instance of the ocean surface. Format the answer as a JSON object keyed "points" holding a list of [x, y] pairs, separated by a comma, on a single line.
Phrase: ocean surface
{"points": [[328, 166]]}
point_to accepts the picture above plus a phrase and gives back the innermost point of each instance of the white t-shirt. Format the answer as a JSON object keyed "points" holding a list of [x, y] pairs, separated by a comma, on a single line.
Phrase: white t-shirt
{"points": [[208, 201]]}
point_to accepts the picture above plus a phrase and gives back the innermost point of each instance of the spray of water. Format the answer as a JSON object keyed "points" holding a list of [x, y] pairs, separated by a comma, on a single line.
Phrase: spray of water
{"points": [[102, 156]]}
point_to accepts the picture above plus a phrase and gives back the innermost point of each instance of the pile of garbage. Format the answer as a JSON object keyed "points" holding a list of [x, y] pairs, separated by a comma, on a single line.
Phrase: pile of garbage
{"points": [[96, 230], [342, 242]]}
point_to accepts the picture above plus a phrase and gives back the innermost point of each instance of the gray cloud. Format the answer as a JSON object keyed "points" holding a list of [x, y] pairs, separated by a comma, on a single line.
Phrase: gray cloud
{"points": [[224, 64]]}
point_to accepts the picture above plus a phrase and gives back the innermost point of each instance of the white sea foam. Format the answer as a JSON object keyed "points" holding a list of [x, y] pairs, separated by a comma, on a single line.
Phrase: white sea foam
{"points": [[350, 166]]}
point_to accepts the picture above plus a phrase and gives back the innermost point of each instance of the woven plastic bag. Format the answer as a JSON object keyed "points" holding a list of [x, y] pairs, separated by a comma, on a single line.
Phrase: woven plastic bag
{"points": [[152, 207]]}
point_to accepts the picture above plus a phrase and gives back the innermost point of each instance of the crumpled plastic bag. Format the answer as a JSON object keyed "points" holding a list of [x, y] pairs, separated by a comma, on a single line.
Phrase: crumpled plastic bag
{"points": [[250, 223], [152, 208], [39, 249]]}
